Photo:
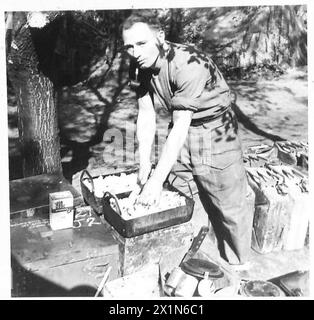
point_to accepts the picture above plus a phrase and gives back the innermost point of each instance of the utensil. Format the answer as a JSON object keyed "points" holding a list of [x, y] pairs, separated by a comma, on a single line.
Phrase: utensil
{"points": [[199, 268], [196, 243], [103, 281]]}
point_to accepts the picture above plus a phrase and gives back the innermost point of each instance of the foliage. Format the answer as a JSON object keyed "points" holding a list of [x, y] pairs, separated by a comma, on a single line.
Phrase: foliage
{"points": [[83, 45], [240, 37]]}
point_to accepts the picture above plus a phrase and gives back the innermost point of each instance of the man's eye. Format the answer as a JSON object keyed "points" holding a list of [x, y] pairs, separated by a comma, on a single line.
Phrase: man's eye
{"points": [[127, 47], [141, 43]]}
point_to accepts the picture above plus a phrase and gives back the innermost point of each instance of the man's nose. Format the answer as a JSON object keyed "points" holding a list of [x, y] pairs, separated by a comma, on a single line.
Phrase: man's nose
{"points": [[136, 52]]}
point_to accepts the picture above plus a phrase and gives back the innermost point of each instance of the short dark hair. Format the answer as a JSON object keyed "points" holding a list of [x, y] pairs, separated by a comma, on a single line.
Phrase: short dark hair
{"points": [[150, 17]]}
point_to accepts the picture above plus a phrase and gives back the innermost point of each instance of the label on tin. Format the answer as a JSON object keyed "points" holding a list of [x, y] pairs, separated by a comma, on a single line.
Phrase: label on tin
{"points": [[60, 201], [61, 211]]}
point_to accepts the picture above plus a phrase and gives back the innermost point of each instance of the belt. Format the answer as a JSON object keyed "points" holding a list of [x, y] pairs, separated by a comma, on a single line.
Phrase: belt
{"points": [[200, 121]]}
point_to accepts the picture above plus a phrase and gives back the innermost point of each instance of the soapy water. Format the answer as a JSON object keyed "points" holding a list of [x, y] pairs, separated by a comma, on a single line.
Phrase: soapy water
{"points": [[129, 208], [168, 200]]}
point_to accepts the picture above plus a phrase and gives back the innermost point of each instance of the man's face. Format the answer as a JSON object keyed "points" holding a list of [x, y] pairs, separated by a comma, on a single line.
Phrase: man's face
{"points": [[141, 43]]}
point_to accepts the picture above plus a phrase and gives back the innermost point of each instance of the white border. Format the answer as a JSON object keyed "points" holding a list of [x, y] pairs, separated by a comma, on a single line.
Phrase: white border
{"points": [[39, 5]]}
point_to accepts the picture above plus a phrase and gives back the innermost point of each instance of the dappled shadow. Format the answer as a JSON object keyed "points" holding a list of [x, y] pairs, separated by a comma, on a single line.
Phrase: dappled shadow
{"points": [[250, 125], [80, 157], [214, 218], [81, 150], [195, 55], [263, 106], [252, 94], [228, 130]]}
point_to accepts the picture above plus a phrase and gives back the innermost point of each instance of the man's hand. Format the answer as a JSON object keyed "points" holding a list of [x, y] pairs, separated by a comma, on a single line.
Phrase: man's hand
{"points": [[144, 171], [151, 192]]}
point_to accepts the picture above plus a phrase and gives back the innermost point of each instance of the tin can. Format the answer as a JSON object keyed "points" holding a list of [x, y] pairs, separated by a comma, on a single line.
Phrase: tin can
{"points": [[174, 278], [186, 287], [61, 210]]}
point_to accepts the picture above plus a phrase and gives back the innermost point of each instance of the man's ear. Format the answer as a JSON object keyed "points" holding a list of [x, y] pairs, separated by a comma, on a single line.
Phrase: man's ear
{"points": [[161, 37]]}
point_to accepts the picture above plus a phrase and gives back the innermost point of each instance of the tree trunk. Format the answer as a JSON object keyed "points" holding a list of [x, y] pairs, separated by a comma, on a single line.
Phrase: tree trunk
{"points": [[37, 115], [175, 29]]}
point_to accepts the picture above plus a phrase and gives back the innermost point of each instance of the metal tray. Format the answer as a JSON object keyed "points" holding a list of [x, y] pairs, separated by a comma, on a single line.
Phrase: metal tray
{"points": [[139, 225], [89, 196]]}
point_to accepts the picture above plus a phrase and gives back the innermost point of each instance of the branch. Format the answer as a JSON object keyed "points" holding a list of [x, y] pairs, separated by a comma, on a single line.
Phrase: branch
{"points": [[96, 31]]}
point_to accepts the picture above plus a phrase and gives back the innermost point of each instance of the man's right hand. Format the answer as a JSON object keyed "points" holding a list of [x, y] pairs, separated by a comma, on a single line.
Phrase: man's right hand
{"points": [[145, 169]]}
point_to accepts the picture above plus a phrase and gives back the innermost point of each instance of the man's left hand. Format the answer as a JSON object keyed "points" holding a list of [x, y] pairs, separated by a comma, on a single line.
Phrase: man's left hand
{"points": [[151, 193]]}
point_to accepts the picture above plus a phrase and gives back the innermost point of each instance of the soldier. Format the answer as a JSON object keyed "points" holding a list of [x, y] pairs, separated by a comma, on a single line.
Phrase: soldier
{"points": [[203, 143]]}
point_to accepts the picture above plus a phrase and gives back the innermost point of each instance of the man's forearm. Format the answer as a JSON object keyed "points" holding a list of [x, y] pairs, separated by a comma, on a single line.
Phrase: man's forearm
{"points": [[145, 131], [171, 149]]}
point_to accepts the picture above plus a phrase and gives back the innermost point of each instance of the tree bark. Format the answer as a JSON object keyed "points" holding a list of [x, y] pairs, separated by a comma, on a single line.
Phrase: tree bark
{"points": [[37, 115]]}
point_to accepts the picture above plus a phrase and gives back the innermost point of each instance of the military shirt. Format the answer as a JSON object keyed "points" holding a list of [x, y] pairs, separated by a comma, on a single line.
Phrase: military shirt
{"points": [[186, 79]]}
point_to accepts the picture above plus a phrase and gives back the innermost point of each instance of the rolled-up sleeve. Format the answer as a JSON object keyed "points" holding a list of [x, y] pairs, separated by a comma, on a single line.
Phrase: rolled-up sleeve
{"points": [[190, 81]]}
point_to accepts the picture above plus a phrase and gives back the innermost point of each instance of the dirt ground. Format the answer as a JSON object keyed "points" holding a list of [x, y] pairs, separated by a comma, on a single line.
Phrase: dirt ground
{"points": [[277, 107]]}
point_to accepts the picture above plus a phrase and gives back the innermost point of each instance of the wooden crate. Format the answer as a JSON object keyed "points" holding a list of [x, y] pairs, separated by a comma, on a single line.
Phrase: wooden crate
{"points": [[140, 251]]}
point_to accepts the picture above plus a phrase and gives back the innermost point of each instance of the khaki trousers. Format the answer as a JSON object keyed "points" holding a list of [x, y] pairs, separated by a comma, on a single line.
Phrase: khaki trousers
{"points": [[211, 158]]}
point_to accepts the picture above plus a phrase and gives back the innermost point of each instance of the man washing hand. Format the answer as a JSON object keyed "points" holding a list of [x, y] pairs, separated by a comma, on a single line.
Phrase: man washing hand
{"points": [[203, 129], [146, 46]]}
